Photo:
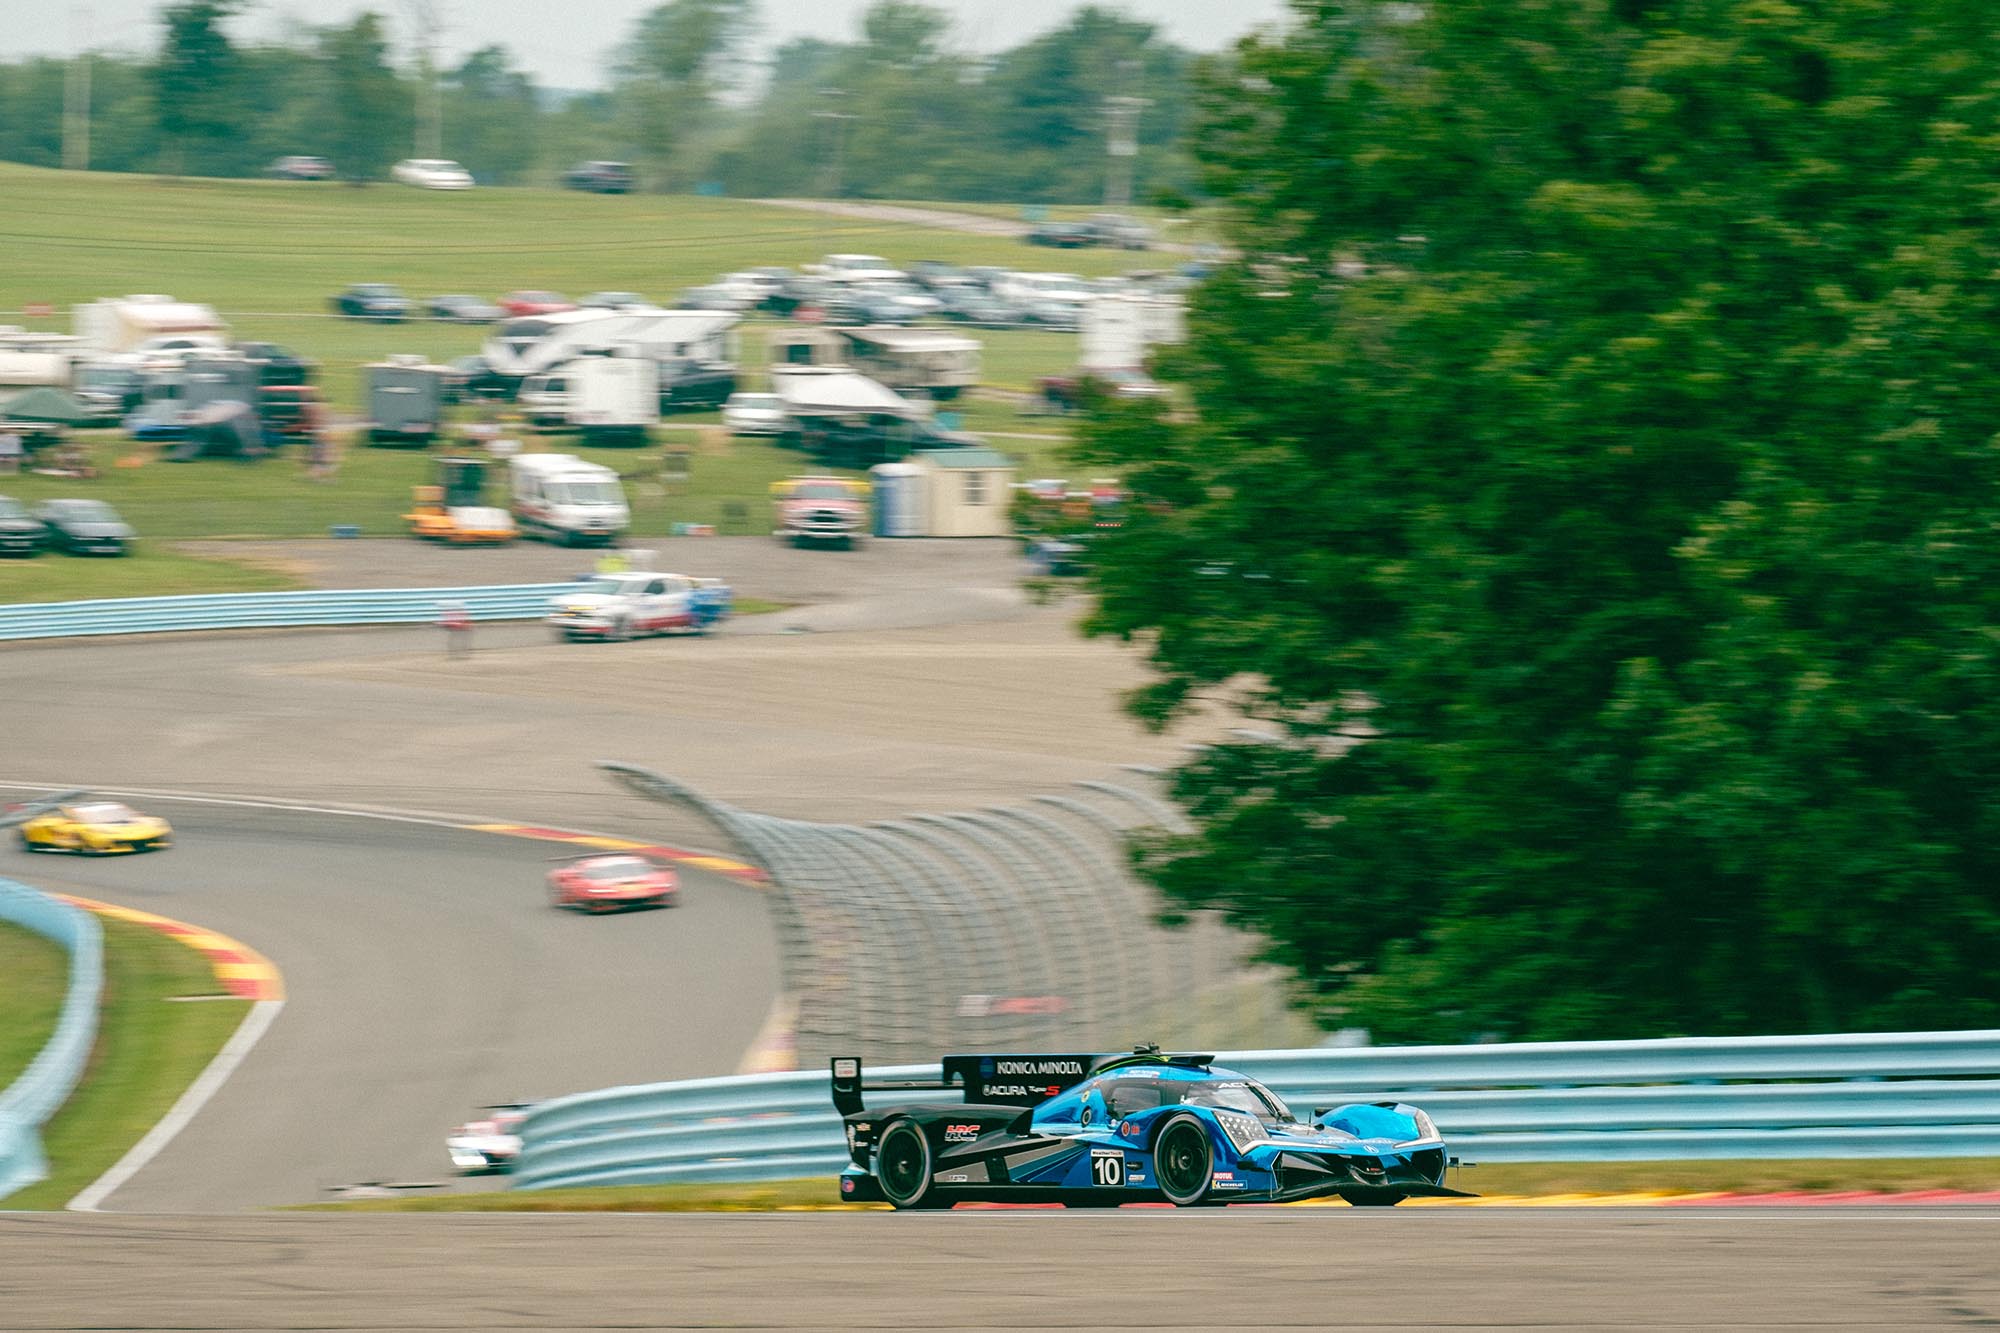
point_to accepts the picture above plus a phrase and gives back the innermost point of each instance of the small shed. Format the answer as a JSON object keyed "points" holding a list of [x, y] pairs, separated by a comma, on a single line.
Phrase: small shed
{"points": [[970, 491]]}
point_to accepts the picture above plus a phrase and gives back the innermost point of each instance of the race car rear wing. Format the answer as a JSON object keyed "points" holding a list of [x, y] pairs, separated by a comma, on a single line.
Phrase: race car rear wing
{"points": [[21, 813], [986, 1080]]}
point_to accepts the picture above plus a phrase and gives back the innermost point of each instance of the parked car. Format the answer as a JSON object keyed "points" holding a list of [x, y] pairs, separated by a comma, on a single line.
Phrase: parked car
{"points": [[859, 268], [751, 286], [373, 300], [621, 301], [517, 304], [470, 378], [1062, 235], [20, 532], [969, 303], [1120, 232], [431, 173], [298, 168], [600, 177], [755, 414], [85, 527], [930, 274], [462, 309], [696, 387], [714, 296]]}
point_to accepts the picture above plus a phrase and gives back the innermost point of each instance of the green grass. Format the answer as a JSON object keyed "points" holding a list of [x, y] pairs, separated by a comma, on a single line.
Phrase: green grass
{"points": [[148, 1050], [34, 971], [269, 254], [152, 570], [1536, 1178]]}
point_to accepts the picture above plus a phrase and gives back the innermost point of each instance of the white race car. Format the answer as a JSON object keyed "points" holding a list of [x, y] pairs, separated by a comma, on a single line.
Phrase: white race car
{"points": [[629, 604], [489, 1145]]}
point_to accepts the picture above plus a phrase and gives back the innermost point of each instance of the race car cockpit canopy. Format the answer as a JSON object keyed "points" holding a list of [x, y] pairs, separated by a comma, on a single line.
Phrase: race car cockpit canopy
{"points": [[1001, 1079]]}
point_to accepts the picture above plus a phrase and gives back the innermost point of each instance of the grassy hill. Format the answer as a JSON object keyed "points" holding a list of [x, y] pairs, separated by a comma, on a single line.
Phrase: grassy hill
{"points": [[269, 254]]}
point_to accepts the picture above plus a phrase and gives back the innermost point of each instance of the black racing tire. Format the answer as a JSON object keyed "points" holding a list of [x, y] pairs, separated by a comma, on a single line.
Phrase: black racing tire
{"points": [[619, 633], [903, 1166], [1372, 1200], [1183, 1161]]}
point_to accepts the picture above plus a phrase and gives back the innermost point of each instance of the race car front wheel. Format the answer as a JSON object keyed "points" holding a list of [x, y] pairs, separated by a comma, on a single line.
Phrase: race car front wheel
{"points": [[1183, 1161], [903, 1166]]}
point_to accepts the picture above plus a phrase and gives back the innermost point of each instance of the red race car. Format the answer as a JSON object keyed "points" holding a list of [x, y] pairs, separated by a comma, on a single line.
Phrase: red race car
{"points": [[522, 303], [608, 882]]}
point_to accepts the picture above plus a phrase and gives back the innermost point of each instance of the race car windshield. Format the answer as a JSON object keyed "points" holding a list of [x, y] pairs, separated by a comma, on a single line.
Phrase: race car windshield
{"points": [[614, 587], [103, 812], [611, 872], [1249, 1098]]}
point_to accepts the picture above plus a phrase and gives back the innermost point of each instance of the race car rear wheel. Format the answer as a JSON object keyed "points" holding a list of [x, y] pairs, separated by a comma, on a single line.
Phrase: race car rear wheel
{"points": [[1183, 1161], [903, 1166]]}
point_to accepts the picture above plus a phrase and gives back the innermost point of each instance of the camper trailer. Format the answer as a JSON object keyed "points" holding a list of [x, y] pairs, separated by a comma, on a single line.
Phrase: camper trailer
{"points": [[604, 398], [930, 362], [148, 323]]}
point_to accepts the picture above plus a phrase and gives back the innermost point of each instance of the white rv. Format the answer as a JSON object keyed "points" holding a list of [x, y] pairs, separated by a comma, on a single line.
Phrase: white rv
{"points": [[537, 344], [562, 498], [36, 360], [148, 323], [933, 362], [601, 397]]}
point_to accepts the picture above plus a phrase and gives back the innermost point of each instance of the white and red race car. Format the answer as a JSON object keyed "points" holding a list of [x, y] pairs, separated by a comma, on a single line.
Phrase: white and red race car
{"points": [[630, 604], [490, 1145], [608, 881]]}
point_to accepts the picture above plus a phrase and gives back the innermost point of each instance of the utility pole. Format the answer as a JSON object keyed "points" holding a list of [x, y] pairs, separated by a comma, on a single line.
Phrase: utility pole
{"points": [[427, 22], [837, 126], [76, 95], [1121, 139]]}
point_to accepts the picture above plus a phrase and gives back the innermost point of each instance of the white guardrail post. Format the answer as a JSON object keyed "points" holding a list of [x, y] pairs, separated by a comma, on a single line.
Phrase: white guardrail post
{"points": [[28, 1102], [1910, 1094], [271, 610]]}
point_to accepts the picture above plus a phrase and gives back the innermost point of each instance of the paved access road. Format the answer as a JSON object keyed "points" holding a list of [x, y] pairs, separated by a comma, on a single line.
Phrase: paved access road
{"points": [[426, 975], [1233, 1269]]}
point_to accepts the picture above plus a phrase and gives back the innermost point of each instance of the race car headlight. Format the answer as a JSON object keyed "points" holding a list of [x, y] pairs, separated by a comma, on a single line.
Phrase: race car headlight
{"points": [[1244, 1131], [1426, 1129]]}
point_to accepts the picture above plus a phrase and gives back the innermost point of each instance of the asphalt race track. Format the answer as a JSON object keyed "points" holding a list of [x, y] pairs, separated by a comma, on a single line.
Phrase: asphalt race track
{"points": [[425, 975], [1241, 1268]]}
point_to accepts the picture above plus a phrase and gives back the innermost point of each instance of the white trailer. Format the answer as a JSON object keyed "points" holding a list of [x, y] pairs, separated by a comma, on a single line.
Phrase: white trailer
{"points": [[1120, 329], [148, 322], [928, 361], [36, 360], [601, 397], [562, 498], [537, 344]]}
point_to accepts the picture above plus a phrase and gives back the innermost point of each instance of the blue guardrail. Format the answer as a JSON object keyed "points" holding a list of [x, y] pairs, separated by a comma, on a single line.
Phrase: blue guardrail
{"points": [[32, 1098], [1909, 1094], [266, 610]]}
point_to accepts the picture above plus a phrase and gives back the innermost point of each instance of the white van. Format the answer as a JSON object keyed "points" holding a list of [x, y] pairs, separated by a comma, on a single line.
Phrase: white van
{"points": [[562, 498]]}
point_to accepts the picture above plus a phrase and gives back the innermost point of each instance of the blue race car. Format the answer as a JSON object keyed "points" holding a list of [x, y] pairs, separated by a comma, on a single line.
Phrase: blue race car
{"points": [[1103, 1130]]}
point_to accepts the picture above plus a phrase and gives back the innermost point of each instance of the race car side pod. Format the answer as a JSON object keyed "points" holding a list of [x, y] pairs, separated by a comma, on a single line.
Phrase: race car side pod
{"points": [[848, 1086]]}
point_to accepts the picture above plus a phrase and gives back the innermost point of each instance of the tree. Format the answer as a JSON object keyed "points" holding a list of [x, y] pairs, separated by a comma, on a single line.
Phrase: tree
{"points": [[679, 58], [368, 115], [194, 82], [495, 118], [1592, 469]]}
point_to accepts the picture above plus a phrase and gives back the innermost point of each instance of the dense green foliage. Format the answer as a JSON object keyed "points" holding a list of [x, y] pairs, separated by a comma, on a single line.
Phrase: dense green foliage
{"points": [[900, 112], [1599, 427]]}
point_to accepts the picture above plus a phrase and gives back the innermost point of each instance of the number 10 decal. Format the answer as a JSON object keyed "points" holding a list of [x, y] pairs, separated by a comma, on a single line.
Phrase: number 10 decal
{"points": [[1107, 1167]]}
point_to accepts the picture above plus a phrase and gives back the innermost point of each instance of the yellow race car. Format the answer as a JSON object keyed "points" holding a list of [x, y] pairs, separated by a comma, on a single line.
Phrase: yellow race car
{"points": [[94, 828]]}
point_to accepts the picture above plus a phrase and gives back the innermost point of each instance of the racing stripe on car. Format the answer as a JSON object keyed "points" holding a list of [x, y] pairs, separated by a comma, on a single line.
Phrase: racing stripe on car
{"points": [[243, 971], [721, 865]]}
